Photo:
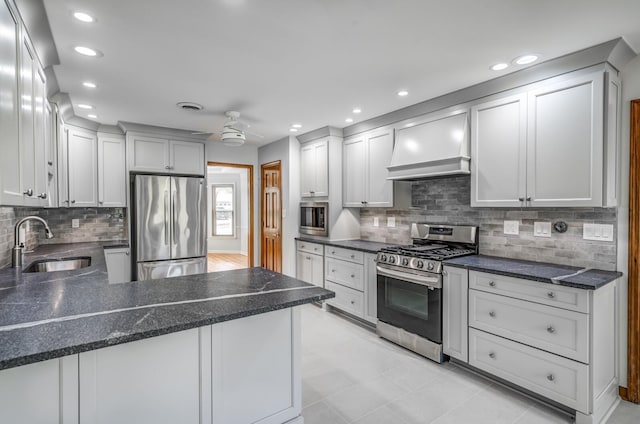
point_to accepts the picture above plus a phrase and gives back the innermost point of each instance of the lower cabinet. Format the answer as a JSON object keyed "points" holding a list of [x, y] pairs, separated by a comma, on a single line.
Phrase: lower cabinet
{"points": [[118, 265], [310, 263], [455, 287]]}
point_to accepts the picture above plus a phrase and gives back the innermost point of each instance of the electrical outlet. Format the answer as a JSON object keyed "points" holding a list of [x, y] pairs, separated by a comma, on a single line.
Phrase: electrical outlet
{"points": [[598, 232], [391, 221], [512, 228], [376, 221], [75, 223], [542, 229]]}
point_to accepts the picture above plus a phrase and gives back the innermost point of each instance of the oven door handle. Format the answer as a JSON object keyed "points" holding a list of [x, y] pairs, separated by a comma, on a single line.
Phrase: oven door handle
{"points": [[431, 282]]}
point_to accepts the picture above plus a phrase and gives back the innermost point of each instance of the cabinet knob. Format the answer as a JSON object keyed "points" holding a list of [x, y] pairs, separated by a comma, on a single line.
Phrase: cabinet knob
{"points": [[521, 199], [42, 195], [315, 248], [551, 377], [551, 295], [492, 314], [101, 202], [302, 246], [528, 198], [29, 192], [167, 167], [126, 253], [309, 257], [551, 330], [353, 302], [50, 163], [73, 201], [353, 276], [444, 272], [333, 252], [353, 256], [492, 283], [492, 355]]}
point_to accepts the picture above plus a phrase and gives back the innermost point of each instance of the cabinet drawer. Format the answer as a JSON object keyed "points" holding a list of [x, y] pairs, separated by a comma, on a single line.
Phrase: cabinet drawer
{"points": [[552, 329], [345, 273], [345, 254], [309, 247], [346, 299], [560, 379], [548, 294]]}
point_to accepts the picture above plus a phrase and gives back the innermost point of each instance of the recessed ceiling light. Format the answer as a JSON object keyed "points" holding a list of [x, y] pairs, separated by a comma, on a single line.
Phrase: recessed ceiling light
{"points": [[348, 120], [89, 84], [403, 93], [526, 59], [357, 110], [293, 129], [499, 66], [92, 116], [85, 106], [84, 17], [296, 126], [86, 51]]}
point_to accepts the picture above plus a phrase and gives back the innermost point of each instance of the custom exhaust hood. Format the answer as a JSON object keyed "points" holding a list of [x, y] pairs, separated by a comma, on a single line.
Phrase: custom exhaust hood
{"points": [[430, 148]]}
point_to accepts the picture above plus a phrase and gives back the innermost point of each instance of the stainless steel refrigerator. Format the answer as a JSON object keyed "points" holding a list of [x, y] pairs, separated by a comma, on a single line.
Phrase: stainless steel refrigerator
{"points": [[168, 226]]}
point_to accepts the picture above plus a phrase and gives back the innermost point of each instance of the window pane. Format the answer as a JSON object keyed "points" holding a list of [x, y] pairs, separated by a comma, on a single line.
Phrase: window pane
{"points": [[223, 210], [224, 223]]}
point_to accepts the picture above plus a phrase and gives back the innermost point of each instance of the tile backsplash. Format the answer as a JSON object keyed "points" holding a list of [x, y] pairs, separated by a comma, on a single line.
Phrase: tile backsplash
{"points": [[95, 224], [447, 200]]}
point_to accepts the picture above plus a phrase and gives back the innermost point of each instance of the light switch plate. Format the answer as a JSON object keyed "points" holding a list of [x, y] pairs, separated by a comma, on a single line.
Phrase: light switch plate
{"points": [[376, 221], [597, 232], [75, 223], [542, 229], [391, 221], [512, 228]]}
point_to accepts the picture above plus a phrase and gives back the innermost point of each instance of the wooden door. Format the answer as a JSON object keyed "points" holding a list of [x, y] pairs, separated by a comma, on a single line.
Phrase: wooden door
{"points": [[271, 214]]}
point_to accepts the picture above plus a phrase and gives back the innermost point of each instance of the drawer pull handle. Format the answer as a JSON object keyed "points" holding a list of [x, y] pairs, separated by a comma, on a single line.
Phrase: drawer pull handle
{"points": [[551, 295], [492, 283], [492, 355], [315, 248], [492, 314], [333, 270], [551, 330], [333, 252], [302, 246], [550, 377], [309, 257], [353, 256], [353, 302], [352, 276]]}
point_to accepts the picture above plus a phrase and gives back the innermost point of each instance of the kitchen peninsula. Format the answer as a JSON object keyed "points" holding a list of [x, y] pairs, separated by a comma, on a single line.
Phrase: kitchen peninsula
{"points": [[220, 347]]}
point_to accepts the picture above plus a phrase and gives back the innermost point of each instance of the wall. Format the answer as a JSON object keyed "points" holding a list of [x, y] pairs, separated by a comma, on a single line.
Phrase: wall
{"points": [[446, 200], [246, 154], [96, 224], [237, 243]]}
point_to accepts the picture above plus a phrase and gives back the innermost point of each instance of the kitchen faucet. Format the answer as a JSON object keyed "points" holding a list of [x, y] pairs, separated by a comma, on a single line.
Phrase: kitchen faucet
{"points": [[17, 250]]}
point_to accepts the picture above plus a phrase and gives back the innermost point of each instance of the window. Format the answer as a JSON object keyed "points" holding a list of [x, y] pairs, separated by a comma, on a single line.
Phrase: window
{"points": [[223, 210]]}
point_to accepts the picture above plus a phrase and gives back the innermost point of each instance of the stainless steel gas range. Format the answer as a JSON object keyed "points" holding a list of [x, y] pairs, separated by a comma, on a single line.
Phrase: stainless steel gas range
{"points": [[410, 285]]}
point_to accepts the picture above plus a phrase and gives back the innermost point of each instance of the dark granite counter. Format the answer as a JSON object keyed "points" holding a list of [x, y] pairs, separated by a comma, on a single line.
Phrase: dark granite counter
{"points": [[571, 276], [361, 245], [49, 315]]}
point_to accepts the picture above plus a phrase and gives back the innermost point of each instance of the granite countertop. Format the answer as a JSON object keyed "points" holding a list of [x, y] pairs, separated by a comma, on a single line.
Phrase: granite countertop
{"points": [[570, 276], [361, 245], [49, 315]]}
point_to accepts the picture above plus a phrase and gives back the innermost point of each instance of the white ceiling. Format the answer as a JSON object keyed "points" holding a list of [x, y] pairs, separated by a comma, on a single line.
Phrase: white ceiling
{"points": [[311, 62]]}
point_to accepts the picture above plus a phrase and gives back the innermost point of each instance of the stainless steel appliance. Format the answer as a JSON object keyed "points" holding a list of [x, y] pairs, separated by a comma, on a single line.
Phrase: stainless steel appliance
{"points": [[314, 218], [168, 226], [410, 285]]}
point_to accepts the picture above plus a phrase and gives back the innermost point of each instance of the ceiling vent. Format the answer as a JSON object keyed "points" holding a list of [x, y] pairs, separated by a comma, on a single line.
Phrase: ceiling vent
{"points": [[190, 106]]}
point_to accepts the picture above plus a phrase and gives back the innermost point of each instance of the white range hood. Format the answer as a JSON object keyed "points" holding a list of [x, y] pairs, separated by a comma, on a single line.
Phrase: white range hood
{"points": [[430, 148]]}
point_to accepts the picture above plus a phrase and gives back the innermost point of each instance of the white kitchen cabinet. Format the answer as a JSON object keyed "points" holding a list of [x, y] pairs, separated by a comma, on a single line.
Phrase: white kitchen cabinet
{"points": [[544, 147], [112, 173], [118, 262], [40, 136], [314, 169], [27, 134], [365, 160], [82, 164], [370, 288], [153, 154], [10, 173], [51, 155], [455, 286], [310, 262]]}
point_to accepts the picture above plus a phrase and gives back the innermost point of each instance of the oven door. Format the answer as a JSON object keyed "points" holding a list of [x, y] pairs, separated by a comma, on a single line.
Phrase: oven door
{"points": [[414, 307]]}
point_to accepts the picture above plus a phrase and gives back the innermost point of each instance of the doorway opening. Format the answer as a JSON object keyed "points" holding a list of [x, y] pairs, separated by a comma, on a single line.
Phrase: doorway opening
{"points": [[229, 216]]}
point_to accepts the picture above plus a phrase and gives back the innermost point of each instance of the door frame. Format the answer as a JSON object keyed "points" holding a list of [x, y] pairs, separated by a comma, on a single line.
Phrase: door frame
{"points": [[272, 164], [249, 169], [632, 392]]}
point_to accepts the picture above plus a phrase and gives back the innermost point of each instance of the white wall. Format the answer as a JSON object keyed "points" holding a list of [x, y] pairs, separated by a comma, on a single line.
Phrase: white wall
{"points": [[630, 91], [246, 155]]}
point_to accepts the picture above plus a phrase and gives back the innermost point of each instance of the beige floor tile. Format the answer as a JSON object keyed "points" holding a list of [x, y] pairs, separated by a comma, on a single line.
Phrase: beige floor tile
{"points": [[321, 413], [381, 415]]}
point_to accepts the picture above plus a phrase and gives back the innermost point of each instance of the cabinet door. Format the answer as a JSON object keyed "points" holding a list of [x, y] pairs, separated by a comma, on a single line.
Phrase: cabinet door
{"points": [[309, 268], [317, 270], [63, 165], [498, 152], [40, 137], [82, 168], [112, 190], [186, 157], [565, 143], [370, 288], [303, 268], [149, 154], [455, 288], [379, 189], [27, 152], [118, 265], [307, 171], [354, 171], [314, 169], [51, 156], [10, 175]]}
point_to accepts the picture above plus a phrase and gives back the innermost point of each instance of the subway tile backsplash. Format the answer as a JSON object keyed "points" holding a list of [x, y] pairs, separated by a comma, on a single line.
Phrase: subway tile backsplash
{"points": [[95, 224], [447, 200]]}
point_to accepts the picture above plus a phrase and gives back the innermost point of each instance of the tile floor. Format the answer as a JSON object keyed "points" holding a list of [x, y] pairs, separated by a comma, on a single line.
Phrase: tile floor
{"points": [[349, 375]]}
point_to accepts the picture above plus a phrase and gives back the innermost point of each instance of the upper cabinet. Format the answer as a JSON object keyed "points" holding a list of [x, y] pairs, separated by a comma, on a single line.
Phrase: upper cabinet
{"points": [[82, 163], [365, 160], [112, 171], [544, 147], [151, 154], [314, 169]]}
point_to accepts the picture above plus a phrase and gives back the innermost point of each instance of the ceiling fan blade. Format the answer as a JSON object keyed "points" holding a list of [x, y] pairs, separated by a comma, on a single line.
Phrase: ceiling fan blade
{"points": [[253, 134], [201, 133]]}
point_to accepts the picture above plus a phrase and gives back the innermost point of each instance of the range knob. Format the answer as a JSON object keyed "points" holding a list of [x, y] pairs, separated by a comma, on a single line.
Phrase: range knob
{"points": [[405, 261], [392, 259], [430, 266], [383, 258], [420, 264]]}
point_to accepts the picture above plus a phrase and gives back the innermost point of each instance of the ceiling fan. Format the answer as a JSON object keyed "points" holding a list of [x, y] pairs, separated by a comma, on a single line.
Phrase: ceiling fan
{"points": [[233, 132]]}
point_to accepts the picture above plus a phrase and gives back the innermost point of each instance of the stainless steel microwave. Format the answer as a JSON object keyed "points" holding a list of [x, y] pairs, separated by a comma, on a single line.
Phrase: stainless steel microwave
{"points": [[314, 218]]}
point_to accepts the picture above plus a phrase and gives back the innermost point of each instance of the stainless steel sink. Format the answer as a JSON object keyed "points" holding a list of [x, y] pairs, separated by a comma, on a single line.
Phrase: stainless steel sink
{"points": [[62, 264]]}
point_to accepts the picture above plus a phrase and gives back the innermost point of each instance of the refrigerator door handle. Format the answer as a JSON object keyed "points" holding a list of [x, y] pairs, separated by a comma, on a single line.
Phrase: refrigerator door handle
{"points": [[166, 217], [174, 220]]}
